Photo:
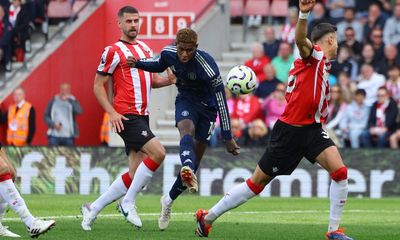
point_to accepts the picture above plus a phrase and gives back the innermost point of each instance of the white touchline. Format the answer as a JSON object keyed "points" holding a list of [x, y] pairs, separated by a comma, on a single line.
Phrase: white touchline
{"points": [[229, 213]]}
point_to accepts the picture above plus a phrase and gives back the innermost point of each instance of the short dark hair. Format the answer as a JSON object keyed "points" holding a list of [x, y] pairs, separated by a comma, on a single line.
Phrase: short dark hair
{"points": [[126, 9], [321, 30], [361, 92], [186, 35]]}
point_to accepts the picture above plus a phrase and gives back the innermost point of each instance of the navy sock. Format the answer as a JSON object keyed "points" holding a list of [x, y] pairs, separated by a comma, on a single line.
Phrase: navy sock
{"points": [[186, 150], [178, 187]]}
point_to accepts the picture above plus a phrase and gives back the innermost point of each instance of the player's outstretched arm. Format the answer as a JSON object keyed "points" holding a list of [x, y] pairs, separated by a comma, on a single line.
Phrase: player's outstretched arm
{"points": [[225, 122], [148, 64], [303, 43], [101, 95]]}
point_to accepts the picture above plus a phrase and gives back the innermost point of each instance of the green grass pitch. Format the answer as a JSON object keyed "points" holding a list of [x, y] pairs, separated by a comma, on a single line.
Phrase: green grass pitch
{"points": [[260, 218]]}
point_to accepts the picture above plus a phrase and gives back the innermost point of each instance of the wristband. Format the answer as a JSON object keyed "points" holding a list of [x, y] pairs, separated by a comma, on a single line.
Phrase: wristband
{"points": [[303, 15]]}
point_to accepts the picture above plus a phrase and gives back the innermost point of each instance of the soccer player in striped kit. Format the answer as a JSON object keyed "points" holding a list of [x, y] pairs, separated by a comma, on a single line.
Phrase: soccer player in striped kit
{"points": [[129, 117], [298, 133], [200, 96]]}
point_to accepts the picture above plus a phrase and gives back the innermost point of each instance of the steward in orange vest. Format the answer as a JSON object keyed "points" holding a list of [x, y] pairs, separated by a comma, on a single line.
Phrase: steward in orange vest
{"points": [[20, 124], [105, 129]]}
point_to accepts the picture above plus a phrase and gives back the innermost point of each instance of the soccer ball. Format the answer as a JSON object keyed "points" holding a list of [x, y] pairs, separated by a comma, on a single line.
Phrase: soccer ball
{"points": [[241, 80]]}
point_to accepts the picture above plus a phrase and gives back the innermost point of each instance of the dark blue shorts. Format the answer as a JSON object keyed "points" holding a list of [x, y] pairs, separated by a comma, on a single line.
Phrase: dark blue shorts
{"points": [[203, 117]]}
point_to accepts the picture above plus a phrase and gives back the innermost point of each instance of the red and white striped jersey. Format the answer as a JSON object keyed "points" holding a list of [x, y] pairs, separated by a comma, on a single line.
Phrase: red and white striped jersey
{"points": [[307, 93], [131, 85]]}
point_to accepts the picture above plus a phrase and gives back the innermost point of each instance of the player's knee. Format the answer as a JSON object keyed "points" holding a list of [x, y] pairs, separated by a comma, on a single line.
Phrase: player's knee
{"points": [[340, 174]]}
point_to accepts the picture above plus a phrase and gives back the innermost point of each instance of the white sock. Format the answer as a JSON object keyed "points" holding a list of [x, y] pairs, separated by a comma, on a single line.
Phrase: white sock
{"points": [[116, 190], [3, 208], [238, 195], [338, 196], [142, 176], [11, 195]]}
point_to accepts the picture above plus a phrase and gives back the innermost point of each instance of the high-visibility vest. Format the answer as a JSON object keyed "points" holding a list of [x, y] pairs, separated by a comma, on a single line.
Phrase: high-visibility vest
{"points": [[18, 124], [105, 129]]}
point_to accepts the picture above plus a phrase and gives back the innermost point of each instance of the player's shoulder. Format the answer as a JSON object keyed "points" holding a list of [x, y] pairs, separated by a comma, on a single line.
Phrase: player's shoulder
{"points": [[169, 49], [145, 47], [205, 55], [317, 52]]}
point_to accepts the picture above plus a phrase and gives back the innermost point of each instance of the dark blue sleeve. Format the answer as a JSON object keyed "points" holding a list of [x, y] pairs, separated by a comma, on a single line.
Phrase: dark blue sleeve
{"points": [[225, 121], [217, 84], [154, 64]]}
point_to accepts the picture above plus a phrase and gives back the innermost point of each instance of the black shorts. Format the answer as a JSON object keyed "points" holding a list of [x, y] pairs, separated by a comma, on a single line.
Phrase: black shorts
{"points": [[136, 132], [289, 144]]}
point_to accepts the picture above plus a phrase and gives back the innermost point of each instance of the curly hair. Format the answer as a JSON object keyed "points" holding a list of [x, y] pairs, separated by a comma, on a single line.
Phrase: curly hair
{"points": [[186, 35]]}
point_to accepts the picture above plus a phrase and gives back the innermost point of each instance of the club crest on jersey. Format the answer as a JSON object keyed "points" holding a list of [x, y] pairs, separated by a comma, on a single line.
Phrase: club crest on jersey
{"points": [[144, 133], [185, 113], [192, 76], [325, 134]]}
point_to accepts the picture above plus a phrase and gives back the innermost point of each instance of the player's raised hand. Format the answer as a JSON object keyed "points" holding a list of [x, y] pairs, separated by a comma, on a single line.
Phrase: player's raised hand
{"points": [[306, 5], [131, 61], [232, 147], [171, 76], [116, 122]]}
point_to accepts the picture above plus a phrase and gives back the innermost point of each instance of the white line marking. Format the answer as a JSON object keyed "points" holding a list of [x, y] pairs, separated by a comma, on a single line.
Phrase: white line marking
{"points": [[230, 213]]}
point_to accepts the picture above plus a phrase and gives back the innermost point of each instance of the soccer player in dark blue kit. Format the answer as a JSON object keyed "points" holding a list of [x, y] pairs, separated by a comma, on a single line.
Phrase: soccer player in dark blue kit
{"points": [[200, 96]]}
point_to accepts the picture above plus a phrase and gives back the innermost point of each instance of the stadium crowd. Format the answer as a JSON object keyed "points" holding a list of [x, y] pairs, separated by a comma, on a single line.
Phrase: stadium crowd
{"points": [[20, 18], [364, 79]]}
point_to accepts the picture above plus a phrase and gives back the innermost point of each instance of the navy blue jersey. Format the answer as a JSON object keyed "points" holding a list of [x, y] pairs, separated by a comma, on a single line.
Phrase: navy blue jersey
{"points": [[198, 80]]}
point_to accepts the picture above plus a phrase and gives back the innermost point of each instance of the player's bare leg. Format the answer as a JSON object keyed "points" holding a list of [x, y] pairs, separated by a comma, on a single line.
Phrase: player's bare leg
{"points": [[238, 195], [331, 160], [178, 187], [187, 154], [10, 194], [155, 156], [115, 191]]}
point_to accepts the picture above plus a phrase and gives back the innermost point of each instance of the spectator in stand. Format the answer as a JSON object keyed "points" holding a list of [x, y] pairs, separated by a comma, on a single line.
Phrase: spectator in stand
{"points": [[237, 127], [60, 117], [368, 56], [258, 61], [347, 86], [343, 63], [5, 42], [370, 81], [254, 135], [288, 29], [381, 121], [21, 124], [318, 15], [6, 5], [391, 59], [375, 20], [351, 42], [377, 43], [274, 105], [349, 21], [265, 88], [337, 8], [19, 19], [355, 118], [391, 32], [336, 109], [271, 43], [393, 83], [362, 9], [247, 108], [283, 61]]}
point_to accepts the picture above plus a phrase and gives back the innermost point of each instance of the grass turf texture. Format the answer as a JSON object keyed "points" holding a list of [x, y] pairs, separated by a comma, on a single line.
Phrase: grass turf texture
{"points": [[260, 218]]}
